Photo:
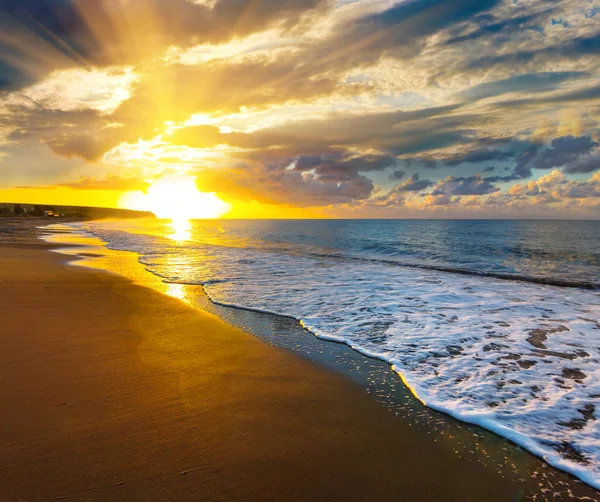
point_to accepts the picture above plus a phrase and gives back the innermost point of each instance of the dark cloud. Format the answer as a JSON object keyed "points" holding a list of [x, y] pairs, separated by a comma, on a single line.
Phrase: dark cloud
{"points": [[589, 93], [413, 184], [477, 155], [321, 143], [58, 23], [529, 82], [522, 169], [428, 16], [488, 25], [567, 151], [333, 178], [397, 195], [563, 150], [474, 153], [271, 181], [397, 175], [416, 141], [13, 77], [580, 190], [585, 94], [471, 185], [569, 49], [586, 164], [341, 167]]}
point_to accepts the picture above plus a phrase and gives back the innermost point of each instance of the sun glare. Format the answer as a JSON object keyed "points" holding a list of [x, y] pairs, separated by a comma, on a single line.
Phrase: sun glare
{"points": [[177, 198]]}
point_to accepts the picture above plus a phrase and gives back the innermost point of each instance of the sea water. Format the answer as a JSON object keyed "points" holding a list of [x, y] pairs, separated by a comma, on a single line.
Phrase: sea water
{"points": [[494, 322]]}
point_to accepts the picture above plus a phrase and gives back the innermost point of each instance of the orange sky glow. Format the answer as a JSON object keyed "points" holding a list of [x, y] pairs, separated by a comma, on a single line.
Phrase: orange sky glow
{"points": [[302, 109]]}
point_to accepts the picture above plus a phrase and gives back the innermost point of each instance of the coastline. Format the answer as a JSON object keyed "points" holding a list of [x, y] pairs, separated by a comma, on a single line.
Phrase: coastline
{"points": [[239, 417]]}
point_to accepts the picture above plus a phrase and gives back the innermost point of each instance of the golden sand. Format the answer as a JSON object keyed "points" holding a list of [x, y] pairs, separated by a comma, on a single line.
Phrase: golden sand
{"points": [[112, 391]]}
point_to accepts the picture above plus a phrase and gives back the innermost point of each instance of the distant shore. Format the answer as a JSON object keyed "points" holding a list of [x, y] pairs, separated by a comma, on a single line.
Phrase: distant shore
{"points": [[112, 391], [62, 213]]}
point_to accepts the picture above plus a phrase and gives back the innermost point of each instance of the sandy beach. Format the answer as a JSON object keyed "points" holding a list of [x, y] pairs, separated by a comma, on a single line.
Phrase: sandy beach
{"points": [[112, 391]]}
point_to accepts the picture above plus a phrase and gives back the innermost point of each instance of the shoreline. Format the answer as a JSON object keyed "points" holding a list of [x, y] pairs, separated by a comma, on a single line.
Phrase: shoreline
{"points": [[473, 437], [480, 422], [515, 438], [505, 433], [276, 425]]}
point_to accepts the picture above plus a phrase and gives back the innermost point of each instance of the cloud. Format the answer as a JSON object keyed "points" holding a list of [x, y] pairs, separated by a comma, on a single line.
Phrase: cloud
{"points": [[583, 94], [563, 150], [476, 156], [273, 183], [439, 200], [549, 195], [567, 151], [555, 187], [392, 133], [399, 31], [316, 67], [586, 164], [87, 133], [413, 184], [340, 167], [489, 25], [475, 150], [45, 35], [575, 48], [398, 195], [305, 101], [471, 185], [523, 168], [109, 182], [529, 82]]}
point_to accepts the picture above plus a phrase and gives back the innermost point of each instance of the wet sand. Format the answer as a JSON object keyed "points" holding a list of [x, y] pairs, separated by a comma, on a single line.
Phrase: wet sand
{"points": [[112, 391]]}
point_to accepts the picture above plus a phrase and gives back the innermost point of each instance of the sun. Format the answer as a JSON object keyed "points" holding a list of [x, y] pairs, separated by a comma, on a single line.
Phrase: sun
{"points": [[176, 198]]}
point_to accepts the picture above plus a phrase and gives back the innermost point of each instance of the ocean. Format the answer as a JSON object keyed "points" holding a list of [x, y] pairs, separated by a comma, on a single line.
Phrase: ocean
{"points": [[496, 323]]}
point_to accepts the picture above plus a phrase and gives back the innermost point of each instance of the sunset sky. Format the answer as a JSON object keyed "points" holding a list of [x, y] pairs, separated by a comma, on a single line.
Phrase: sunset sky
{"points": [[306, 108]]}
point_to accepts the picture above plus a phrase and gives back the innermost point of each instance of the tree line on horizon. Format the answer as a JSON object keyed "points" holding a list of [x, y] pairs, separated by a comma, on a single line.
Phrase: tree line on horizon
{"points": [[42, 210]]}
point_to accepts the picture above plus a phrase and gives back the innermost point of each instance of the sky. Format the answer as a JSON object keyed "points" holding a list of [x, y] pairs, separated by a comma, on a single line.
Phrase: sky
{"points": [[306, 108]]}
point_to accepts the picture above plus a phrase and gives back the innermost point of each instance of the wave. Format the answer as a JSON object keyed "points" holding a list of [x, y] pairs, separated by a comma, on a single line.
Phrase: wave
{"points": [[548, 281]]}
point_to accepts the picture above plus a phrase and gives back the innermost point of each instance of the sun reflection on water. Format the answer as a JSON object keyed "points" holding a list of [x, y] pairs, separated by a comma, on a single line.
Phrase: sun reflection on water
{"points": [[181, 230]]}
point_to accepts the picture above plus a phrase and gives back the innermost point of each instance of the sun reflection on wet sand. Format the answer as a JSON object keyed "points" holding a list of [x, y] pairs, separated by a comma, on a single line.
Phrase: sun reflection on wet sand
{"points": [[177, 291], [91, 252]]}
